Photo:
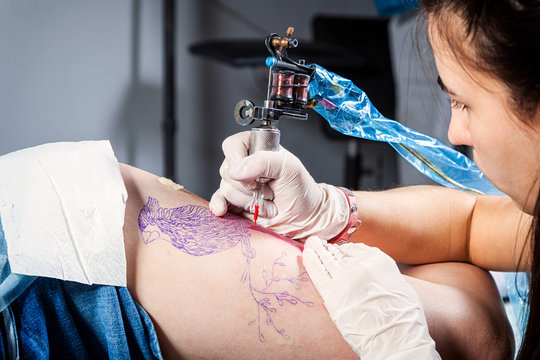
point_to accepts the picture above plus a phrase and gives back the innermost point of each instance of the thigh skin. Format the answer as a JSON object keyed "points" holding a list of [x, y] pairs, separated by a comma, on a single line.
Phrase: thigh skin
{"points": [[220, 290]]}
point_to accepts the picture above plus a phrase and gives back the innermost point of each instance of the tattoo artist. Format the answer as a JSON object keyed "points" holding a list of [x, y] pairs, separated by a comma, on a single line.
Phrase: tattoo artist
{"points": [[487, 54]]}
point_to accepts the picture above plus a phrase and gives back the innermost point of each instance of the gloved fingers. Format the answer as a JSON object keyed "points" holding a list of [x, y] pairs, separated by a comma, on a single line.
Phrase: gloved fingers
{"points": [[230, 185], [376, 262], [314, 242], [243, 186], [246, 214], [368, 255], [315, 268], [357, 250], [218, 204], [236, 195], [326, 257], [336, 252], [261, 164], [241, 204], [236, 146], [381, 263]]}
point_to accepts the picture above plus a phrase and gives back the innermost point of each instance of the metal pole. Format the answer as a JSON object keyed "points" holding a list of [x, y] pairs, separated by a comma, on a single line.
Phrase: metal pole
{"points": [[169, 87]]}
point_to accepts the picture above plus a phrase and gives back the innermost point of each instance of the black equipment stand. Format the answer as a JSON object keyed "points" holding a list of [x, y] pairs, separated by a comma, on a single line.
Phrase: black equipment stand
{"points": [[169, 87]]}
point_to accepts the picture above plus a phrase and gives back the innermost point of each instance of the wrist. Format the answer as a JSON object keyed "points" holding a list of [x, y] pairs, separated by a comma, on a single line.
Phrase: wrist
{"points": [[352, 222], [329, 216]]}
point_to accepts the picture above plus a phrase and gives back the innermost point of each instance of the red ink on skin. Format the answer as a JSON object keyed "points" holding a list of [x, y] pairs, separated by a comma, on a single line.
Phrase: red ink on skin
{"points": [[283, 238]]}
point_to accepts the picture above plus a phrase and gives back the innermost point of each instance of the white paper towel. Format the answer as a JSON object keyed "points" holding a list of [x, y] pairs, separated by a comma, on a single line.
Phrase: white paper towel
{"points": [[62, 207]]}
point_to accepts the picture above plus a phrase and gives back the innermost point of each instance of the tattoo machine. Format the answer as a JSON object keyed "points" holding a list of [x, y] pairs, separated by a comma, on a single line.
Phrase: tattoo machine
{"points": [[287, 97]]}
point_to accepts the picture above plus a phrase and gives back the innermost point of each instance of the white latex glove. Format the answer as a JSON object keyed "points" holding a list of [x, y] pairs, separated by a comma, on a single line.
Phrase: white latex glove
{"points": [[294, 204], [376, 311]]}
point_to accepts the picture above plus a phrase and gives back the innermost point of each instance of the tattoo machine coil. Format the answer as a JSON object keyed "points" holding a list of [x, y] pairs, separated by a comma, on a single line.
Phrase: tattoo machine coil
{"points": [[287, 97]]}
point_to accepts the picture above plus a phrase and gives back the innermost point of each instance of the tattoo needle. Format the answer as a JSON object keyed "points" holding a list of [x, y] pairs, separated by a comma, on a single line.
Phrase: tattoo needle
{"points": [[256, 200]]}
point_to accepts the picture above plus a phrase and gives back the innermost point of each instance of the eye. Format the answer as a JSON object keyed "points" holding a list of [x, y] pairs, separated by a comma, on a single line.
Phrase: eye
{"points": [[457, 105]]}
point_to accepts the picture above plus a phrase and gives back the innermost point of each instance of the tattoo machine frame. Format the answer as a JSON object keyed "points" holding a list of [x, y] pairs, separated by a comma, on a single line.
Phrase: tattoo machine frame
{"points": [[287, 97]]}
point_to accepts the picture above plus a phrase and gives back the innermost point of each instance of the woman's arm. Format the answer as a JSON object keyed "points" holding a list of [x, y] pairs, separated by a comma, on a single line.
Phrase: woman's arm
{"points": [[425, 224]]}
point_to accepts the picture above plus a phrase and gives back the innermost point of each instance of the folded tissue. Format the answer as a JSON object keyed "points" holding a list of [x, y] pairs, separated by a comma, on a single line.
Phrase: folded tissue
{"points": [[62, 208]]}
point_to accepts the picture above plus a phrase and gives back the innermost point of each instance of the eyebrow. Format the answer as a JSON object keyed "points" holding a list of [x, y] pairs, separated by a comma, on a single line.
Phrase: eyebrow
{"points": [[443, 87]]}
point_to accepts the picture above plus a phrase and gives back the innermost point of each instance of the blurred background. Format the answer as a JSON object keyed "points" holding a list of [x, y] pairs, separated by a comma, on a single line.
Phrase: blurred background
{"points": [[74, 70]]}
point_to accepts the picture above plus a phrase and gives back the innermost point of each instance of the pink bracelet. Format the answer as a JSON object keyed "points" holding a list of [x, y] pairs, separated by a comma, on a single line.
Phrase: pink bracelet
{"points": [[353, 223]]}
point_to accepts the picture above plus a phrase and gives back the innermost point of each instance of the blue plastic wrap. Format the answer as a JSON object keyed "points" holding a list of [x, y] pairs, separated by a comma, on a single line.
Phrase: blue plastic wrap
{"points": [[518, 293], [349, 111]]}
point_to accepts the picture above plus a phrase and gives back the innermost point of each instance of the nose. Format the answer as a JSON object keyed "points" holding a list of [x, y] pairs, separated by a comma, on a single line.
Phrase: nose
{"points": [[458, 131]]}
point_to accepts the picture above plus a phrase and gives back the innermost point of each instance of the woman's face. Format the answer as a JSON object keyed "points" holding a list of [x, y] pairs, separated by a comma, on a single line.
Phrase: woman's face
{"points": [[505, 148]]}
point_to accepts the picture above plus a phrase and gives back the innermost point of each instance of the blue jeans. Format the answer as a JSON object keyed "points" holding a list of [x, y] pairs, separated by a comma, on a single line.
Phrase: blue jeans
{"points": [[56, 319]]}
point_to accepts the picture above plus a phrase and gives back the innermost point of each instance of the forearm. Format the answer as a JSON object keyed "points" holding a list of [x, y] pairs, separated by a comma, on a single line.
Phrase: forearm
{"points": [[425, 224], [416, 225]]}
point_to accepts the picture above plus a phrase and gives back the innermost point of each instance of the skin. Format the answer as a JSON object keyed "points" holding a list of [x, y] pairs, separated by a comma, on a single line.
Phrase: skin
{"points": [[201, 309]]}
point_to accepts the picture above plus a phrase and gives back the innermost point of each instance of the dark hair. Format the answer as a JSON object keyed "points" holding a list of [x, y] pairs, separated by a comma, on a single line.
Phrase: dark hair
{"points": [[502, 39]]}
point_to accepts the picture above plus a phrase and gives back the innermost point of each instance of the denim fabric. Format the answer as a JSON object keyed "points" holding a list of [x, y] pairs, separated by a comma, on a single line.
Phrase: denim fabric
{"points": [[11, 285], [58, 319], [4, 341]]}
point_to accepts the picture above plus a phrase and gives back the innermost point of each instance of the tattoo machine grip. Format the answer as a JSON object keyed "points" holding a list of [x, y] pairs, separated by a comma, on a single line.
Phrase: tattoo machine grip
{"points": [[264, 138]]}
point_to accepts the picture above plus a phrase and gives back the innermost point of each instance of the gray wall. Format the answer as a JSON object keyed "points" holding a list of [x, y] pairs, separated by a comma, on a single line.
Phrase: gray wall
{"points": [[420, 104], [79, 70]]}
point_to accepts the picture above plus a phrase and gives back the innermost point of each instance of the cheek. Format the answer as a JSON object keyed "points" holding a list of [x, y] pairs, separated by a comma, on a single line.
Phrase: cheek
{"points": [[493, 156], [493, 165], [508, 163]]}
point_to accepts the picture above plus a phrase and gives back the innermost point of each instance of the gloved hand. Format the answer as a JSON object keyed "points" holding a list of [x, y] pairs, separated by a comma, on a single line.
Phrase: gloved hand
{"points": [[294, 204], [376, 311]]}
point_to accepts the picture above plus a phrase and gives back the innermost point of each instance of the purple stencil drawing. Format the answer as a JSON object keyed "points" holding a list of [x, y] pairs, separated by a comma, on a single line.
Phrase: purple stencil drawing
{"points": [[267, 298], [193, 229], [197, 232]]}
